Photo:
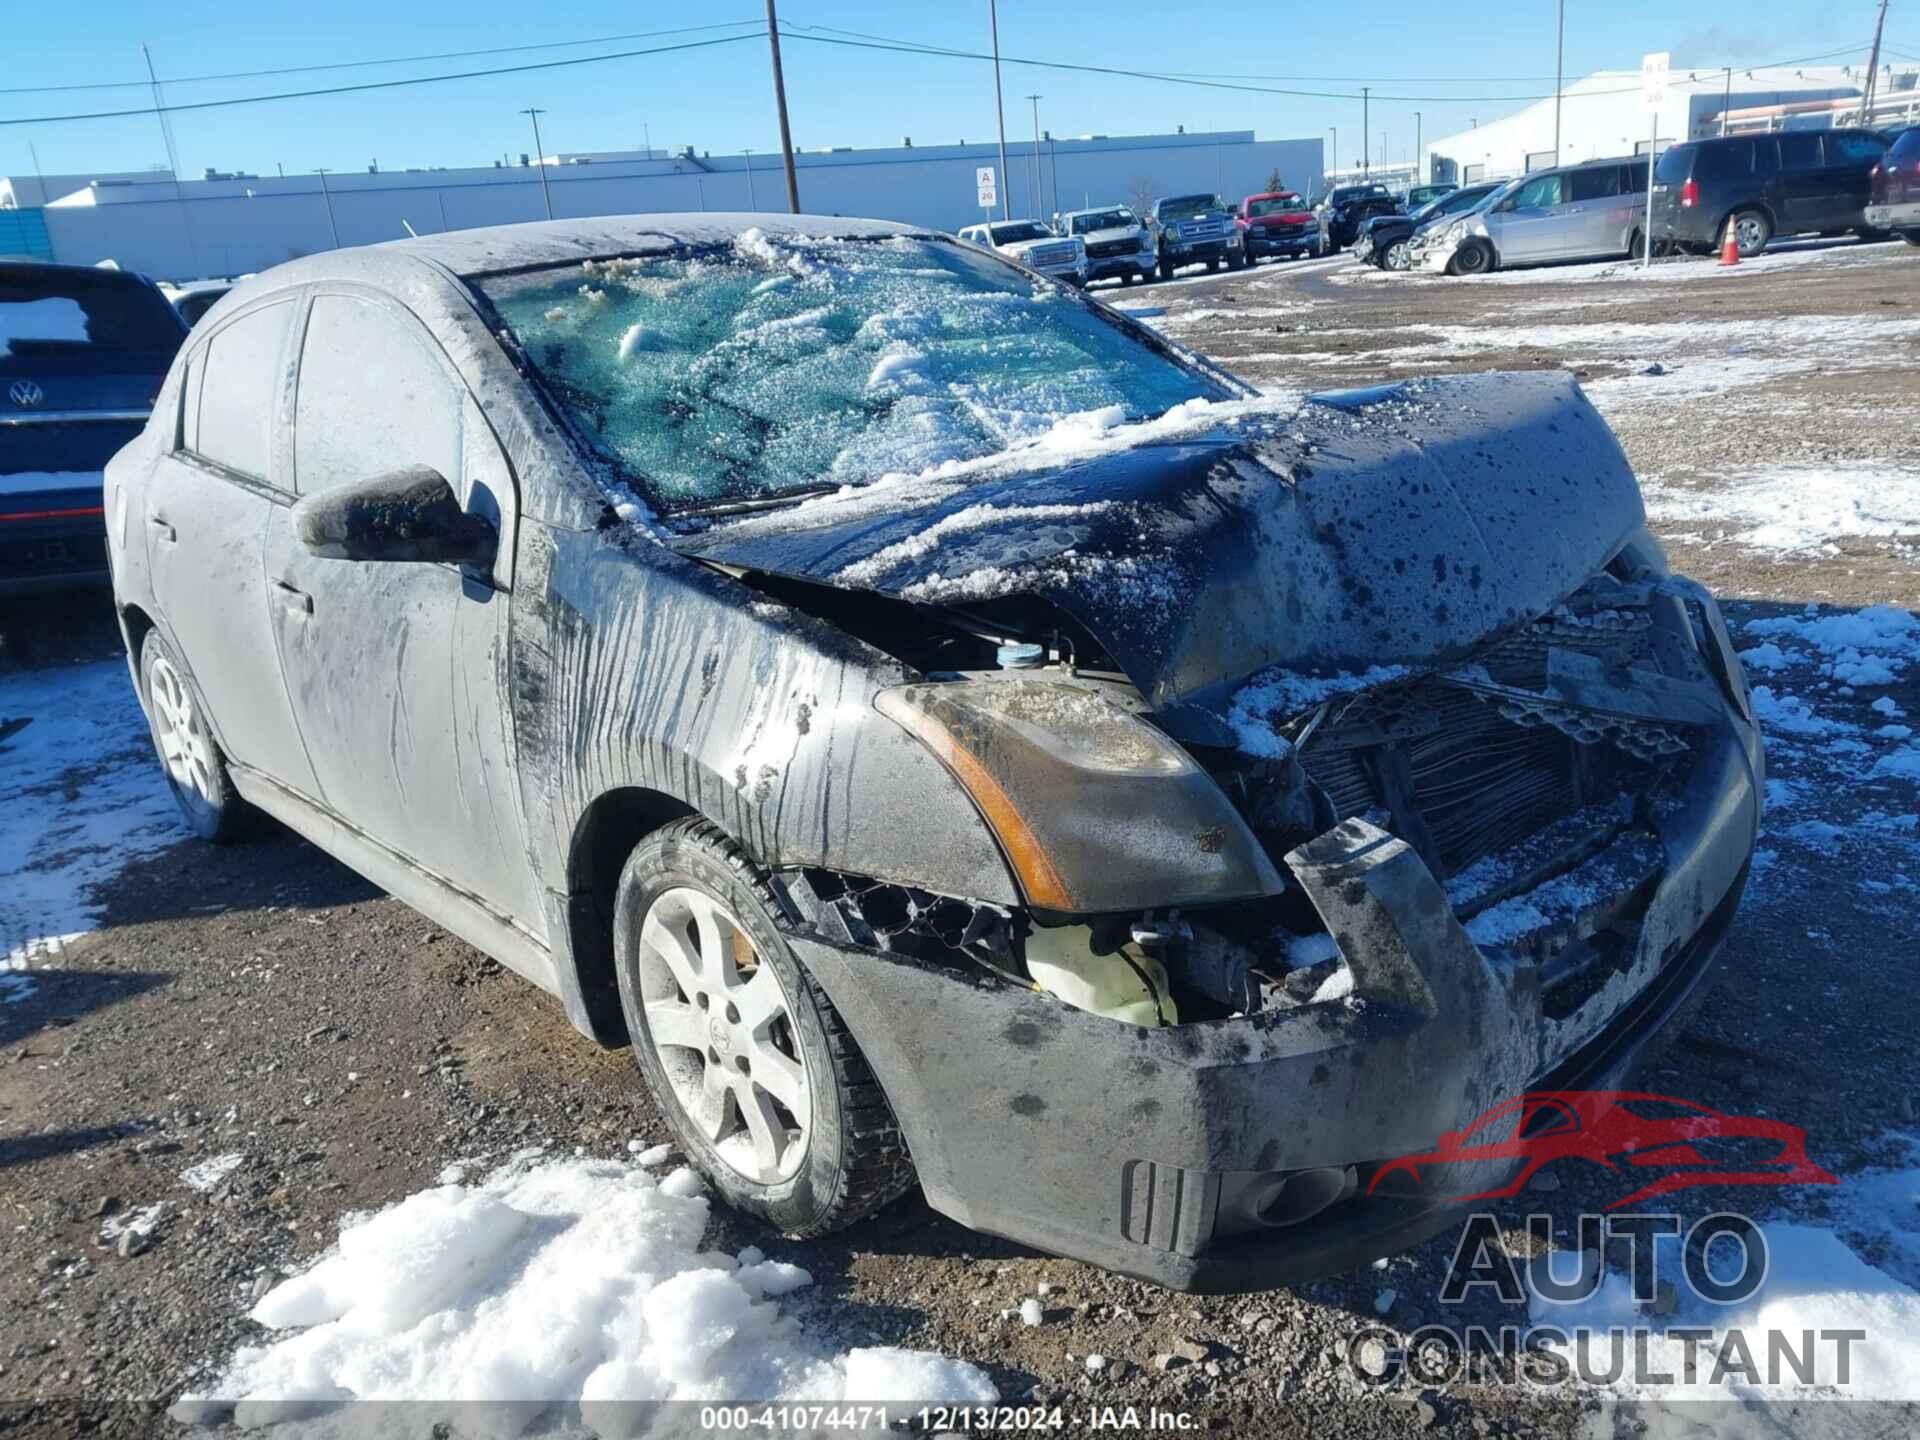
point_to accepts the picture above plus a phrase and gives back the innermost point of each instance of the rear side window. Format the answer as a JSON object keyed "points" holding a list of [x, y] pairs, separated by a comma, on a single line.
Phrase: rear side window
{"points": [[1732, 160], [1595, 184], [1675, 164], [1633, 178], [1854, 151], [1540, 192], [373, 398], [1799, 151], [1906, 147], [239, 387]]}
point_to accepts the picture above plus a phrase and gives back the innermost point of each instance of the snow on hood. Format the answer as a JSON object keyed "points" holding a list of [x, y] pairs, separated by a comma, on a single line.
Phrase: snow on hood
{"points": [[1400, 526]]}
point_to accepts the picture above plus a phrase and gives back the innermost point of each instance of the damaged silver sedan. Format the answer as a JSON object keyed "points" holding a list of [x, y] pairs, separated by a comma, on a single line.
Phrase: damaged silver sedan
{"points": [[954, 736]]}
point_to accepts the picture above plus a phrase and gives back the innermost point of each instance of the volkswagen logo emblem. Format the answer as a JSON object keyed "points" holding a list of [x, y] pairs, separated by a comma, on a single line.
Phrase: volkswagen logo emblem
{"points": [[25, 394]]}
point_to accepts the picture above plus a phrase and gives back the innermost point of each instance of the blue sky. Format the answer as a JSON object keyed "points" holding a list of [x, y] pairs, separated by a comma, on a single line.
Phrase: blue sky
{"points": [[719, 98]]}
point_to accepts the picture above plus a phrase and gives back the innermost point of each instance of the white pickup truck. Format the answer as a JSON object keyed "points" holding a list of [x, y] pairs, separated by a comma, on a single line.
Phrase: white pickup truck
{"points": [[1063, 257]]}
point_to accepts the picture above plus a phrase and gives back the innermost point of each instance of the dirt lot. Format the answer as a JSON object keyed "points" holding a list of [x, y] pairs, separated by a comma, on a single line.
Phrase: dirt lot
{"points": [[264, 1000]]}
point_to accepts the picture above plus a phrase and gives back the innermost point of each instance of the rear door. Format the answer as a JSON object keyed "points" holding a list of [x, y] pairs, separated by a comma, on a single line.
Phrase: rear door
{"points": [[1799, 183], [207, 507], [395, 670], [1595, 208]]}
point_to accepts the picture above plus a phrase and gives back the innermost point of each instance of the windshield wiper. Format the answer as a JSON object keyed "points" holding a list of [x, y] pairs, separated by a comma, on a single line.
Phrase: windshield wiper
{"points": [[764, 502]]}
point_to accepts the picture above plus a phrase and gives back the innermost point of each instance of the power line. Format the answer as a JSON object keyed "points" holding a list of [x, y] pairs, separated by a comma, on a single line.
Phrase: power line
{"points": [[360, 64], [385, 84]]}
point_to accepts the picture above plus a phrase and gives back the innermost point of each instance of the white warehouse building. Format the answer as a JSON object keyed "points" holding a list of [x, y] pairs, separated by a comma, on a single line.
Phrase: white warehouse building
{"points": [[190, 229], [1602, 116]]}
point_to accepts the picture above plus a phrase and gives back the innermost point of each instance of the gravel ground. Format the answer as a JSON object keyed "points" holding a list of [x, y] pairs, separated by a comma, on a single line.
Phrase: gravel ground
{"points": [[264, 1001]]}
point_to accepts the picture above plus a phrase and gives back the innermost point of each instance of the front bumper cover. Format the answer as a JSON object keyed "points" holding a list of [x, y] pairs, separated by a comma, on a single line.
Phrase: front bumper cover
{"points": [[1145, 1150]]}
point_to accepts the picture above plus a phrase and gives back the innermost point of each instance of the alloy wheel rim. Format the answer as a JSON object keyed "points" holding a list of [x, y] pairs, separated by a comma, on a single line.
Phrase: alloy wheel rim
{"points": [[185, 747], [1397, 255], [722, 1030], [1747, 231]]}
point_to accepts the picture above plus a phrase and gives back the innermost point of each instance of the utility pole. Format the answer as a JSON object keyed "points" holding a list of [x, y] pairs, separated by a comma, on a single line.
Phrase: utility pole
{"points": [[1559, 76], [1035, 100], [1419, 159], [999, 107], [540, 159], [1366, 119], [327, 196], [1726, 96], [753, 201], [1334, 163], [780, 104], [1873, 68]]}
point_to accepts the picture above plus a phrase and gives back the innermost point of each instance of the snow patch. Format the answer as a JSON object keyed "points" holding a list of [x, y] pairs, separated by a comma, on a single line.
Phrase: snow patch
{"points": [[209, 1173]]}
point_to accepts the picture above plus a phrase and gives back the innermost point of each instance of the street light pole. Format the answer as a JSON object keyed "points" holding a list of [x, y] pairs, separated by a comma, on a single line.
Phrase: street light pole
{"points": [[1366, 119], [999, 109], [780, 103], [327, 195], [1726, 99], [1035, 192], [1419, 160], [1559, 76], [540, 159], [1335, 130], [753, 200]]}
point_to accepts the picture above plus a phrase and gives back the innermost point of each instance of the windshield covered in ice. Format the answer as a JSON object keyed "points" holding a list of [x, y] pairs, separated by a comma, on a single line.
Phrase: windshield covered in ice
{"points": [[1086, 224], [766, 368]]}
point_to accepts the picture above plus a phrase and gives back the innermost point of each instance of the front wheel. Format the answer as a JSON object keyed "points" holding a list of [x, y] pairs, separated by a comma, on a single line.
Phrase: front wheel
{"points": [[196, 771], [1912, 237], [1165, 266], [1868, 233], [1475, 257], [748, 1059]]}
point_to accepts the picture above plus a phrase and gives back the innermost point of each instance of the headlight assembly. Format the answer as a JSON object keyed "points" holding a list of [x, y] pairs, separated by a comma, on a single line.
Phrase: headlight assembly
{"points": [[1095, 810]]}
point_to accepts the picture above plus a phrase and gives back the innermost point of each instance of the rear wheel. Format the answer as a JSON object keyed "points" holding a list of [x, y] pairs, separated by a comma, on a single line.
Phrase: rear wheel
{"points": [[1752, 231], [196, 771], [1867, 232], [1912, 237], [1165, 266], [749, 1061]]}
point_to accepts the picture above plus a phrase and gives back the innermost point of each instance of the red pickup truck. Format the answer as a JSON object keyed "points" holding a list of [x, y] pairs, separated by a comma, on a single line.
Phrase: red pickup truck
{"points": [[1277, 223]]}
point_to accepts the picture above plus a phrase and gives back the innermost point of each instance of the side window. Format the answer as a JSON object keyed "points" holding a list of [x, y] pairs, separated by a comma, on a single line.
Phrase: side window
{"points": [[239, 382], [1633, 178], [1799, 150], [1732, 160], [1539, 192], [373, 397], [190, 369], [1853, 150], [1595, 184]]}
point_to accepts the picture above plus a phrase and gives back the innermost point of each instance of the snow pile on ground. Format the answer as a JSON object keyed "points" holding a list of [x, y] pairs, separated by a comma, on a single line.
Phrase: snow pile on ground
{"points": [[559, 1291], [1795, 509], [82, 794]]}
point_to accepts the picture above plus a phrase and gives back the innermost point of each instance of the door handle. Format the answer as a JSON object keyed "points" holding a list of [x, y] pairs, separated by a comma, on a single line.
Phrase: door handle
{"points": [[160, 527], [292, 598]]}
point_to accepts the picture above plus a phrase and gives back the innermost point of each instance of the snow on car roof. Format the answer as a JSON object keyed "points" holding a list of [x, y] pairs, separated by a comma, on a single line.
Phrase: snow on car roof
{"points": [[554, 242]]}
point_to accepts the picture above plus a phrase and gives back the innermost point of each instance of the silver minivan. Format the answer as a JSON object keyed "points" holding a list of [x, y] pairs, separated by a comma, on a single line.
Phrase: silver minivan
{"points": [[1591, 211]]}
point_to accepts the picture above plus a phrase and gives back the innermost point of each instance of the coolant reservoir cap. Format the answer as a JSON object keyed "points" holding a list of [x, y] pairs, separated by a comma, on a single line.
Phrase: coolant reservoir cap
{"points": [[1021, 657]]}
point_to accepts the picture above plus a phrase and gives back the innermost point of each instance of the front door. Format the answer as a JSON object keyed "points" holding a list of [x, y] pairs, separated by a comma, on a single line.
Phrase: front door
{"points": [[207, 507], [396, 669], [1530, 224]]}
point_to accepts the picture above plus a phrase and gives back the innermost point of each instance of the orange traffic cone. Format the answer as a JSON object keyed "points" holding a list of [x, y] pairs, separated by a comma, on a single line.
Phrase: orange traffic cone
{"points": [[1730, 247]]}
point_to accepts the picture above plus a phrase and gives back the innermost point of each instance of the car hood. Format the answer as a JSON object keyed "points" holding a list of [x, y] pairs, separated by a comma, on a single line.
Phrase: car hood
{"points": [[1404, 525], [1117, 232], [1279, 217]]}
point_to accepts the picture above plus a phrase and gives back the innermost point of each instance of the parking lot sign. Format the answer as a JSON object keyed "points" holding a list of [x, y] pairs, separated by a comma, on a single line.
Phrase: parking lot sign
{"points": [[983, 180], [1653, 78]]}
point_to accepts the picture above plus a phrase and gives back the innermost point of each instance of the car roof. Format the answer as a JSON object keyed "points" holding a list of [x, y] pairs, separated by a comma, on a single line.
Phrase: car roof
{"points": [[554, 242]]}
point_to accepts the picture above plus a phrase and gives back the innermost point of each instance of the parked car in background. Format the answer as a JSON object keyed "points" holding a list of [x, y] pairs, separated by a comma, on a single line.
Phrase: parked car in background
{"points": [[1420, 195], [539, 574], [1345, 208], [1063, 257], [195, 299], [1387, 240], [1190, 229], [1117, 243], [1788, 183], [1592, 211], [82, 353], [1277, 223], [1893, 202]]}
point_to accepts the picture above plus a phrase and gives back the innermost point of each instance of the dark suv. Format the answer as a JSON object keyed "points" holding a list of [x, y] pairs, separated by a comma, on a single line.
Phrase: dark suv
{"points": [[1767, 185], [82, 353], [1347, 207], [1894, 202]]}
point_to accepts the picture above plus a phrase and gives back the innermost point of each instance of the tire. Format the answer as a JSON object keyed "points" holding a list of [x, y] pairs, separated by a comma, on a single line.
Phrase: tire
{"points": [[1871, 235], [1398, 257], [1165, 266], [189, 756], [1637, 245], [1752, 232], [1912, 237], [840, 1161], [1475, 257]]}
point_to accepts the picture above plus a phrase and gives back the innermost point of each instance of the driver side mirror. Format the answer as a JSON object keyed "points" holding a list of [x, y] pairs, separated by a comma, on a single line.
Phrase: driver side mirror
{"points": [[403, 515]]}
